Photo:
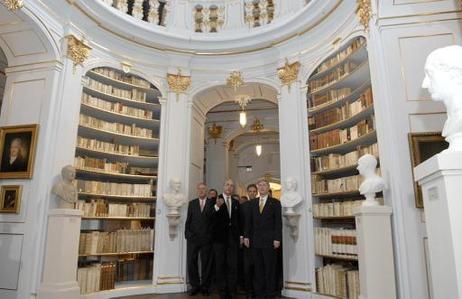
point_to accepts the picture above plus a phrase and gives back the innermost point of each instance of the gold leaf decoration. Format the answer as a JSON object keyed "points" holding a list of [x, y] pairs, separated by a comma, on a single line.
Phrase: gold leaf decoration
{"points": [[364, 13], [288, 74], [178, 83], [235, 80], [13, 5], [77, 51]]}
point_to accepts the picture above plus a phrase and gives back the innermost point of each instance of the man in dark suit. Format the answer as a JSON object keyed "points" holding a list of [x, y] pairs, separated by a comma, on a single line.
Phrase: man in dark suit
{"points": [[264, 234], [198, 233], [247, 257], [226, 238]]}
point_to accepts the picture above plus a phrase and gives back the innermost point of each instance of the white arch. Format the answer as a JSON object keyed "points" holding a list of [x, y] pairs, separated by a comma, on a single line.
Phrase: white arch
{"points": [[235, 133]]}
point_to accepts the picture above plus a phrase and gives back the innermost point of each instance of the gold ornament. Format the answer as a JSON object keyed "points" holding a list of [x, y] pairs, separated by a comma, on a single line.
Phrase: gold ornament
{"points": [[235, 80], [364, 13], [77, 51], [288, 74], [13, 5], [178, 83], [257, 126], [215, 131]]}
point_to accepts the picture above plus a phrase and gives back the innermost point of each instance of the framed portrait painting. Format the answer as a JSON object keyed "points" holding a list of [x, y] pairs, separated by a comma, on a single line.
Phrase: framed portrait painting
{"points": [[423, 146], [10, 200], [17, 151]]}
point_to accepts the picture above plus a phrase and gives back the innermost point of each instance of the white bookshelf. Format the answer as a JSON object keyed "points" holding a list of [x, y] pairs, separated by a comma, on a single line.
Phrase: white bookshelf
{"points": [[357, 81], [140, 168]]}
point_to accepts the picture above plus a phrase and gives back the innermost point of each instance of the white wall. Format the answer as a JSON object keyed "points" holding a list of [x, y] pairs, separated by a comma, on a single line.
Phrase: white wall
{"points": [[407, 32]]}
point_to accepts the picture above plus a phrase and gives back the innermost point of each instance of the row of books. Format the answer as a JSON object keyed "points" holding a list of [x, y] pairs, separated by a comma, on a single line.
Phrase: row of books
{"points": [[336, 161], [329, 241], [96, 277], [336, 74], [94, 164], [134, 269], [132, 95], [340, 55], [344, 184], [338, 280], [116, 107], [344, 112], [341, 136], [117, 75], [109, 188], [120, 241], [102, 208], [108, 147], [336, 209], [119, 128], [329, 97]]}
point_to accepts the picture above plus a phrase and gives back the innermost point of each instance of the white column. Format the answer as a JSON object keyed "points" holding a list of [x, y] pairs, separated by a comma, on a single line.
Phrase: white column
{"points": [[169, 257], [441, 178], [293, 133], [59, 271], [375, 252]]}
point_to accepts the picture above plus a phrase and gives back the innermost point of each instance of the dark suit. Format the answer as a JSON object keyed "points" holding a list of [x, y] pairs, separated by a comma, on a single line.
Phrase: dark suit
{"points": [[198, 233], [263, 229], [19, 164], [247, 255], [225, 238]]}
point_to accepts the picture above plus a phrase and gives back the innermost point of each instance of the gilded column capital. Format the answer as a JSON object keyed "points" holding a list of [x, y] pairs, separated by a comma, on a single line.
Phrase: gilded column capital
{"points": [[13, 5], [288, 74], [178, 83], [77, 50], [364, 13]]}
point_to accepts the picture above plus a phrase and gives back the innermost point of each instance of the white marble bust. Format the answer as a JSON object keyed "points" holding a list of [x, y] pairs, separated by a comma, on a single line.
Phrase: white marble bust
{"points": [[372, 183], [443, 79], [65, 189], [174, 200], [290, 197]]}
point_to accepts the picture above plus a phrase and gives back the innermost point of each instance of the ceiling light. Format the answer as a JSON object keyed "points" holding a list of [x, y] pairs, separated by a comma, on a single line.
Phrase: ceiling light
{"points": [[243, 118], [258, 149]]}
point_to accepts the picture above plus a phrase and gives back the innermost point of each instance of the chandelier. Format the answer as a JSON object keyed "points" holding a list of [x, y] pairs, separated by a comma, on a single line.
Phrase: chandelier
{"points": [[243, 100], [257, 127]]}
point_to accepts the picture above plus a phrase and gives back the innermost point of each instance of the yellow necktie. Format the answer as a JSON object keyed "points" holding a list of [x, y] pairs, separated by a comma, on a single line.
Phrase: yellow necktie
{"points": [[262, 205]]}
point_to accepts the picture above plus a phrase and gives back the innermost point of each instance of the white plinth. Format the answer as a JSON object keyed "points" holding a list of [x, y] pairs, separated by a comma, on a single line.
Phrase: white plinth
{"points": [[441, 181], [61, 255], [375, 252]]}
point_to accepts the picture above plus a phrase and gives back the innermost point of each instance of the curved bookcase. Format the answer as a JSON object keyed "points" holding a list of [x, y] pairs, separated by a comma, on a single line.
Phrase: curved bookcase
{"points": [[117, 164]]}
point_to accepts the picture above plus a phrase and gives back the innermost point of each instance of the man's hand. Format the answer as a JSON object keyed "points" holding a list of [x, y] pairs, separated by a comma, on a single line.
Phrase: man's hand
{"points": [[241, 241], [276, 244], [220, 202], [246, 242]]}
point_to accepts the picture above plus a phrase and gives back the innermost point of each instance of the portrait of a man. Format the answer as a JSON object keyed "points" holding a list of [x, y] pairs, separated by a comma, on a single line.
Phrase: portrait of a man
{"points": [[10, 199], [17, 151]]}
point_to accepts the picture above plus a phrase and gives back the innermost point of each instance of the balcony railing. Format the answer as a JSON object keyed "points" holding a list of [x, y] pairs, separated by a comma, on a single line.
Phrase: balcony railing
{"points": [[152, 11], [209, 16]]}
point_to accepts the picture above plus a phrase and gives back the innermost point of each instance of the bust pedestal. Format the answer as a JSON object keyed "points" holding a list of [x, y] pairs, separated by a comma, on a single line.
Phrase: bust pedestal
{"points": [[61, 255], [441, 178], [375, 252]]}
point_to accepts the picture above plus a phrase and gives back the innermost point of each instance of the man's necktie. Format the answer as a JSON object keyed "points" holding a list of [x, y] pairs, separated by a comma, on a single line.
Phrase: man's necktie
{"points": [[262, 205], [228, 204], [202, 202]]}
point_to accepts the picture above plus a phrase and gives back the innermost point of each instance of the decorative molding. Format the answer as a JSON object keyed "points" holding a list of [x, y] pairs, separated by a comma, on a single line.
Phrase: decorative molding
{"points": [[288, 74], [77, 50], [13, 5], [178, 83], [364, 13], [235, 80]]}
